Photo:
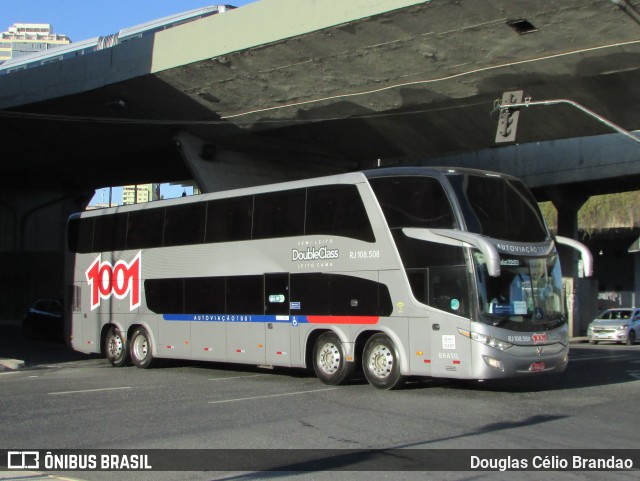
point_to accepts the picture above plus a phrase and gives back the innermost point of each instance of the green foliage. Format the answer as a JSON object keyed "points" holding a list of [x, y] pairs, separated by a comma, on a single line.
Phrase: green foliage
{"points": [[601, 212]]}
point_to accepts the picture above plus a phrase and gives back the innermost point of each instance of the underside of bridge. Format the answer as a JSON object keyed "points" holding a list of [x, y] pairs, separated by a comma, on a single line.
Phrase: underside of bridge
{"points": [[284, 89]]}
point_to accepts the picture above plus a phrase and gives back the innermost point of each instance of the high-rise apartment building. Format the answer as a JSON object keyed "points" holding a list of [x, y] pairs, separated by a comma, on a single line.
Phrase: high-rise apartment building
{"points": [[136, 194], [24, 38]]}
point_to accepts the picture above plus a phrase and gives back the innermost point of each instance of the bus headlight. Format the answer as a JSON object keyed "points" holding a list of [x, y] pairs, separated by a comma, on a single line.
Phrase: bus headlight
{"points": [[484, 339]]}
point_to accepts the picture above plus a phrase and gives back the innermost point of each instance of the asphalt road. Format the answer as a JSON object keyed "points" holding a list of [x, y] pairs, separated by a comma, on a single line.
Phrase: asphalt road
{"points": [[65, 400]]}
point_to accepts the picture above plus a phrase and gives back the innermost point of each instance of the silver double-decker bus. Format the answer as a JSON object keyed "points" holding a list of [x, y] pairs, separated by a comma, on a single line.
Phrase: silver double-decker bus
{"points": [[436, 272]]}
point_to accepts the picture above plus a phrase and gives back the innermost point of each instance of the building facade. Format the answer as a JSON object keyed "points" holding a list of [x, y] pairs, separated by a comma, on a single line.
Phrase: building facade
{"points": [[137, 194], [25, 38]]}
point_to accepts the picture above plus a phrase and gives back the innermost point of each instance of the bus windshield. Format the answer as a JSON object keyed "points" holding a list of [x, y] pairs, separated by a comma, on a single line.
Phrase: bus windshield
{"points": [[528, 290], [498, 207]]}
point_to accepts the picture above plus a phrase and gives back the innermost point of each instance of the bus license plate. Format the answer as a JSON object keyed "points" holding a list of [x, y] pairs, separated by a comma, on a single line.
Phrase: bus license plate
{"points": [[537, 367]]}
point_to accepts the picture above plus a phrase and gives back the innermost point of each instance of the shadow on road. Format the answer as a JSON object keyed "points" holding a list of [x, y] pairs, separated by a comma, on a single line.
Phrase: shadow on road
{"points": [[34, 352]]}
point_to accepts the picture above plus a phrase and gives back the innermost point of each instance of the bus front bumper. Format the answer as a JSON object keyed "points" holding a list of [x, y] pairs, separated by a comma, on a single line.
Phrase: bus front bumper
{"points": [[521, 361]]}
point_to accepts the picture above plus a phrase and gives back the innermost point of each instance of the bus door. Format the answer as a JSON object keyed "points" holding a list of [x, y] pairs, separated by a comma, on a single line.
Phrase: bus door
{"points": [[280, 327], [450, 350]]}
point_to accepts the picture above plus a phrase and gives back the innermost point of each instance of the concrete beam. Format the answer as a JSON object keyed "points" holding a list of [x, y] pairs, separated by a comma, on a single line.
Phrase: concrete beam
{"points": [[261, 23], [215, 169], [557, 162]]}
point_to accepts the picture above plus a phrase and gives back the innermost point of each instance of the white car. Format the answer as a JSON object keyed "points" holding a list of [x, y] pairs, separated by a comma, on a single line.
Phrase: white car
{"points": [[617, 325]]}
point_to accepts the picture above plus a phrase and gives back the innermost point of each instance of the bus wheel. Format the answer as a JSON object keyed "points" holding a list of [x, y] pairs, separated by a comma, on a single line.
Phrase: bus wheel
{"points": [[381, 363], [115, 348], [141, 348], [329, 360]]}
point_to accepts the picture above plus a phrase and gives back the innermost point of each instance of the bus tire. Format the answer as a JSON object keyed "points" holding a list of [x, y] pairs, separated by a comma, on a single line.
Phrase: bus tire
{"points": [[140, 345], [115, 348], [329, 360], [381, 363]]}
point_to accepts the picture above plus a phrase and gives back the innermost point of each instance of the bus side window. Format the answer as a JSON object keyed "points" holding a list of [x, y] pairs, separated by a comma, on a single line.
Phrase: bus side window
{"points": [[337, 210], [245, 295], [146, 228], [110, 233], [204, 295], [80, 235], [184, 224], [279, 214], [229, 220]]}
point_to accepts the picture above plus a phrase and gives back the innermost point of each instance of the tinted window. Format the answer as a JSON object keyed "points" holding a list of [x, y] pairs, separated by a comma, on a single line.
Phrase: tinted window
{"points": [[418, 253], [145, 229], [312, 292], [80, 235], [164, 296], [499, 208], [337, 210], [184, 224], [110, 233], [437, 273], [352, 296], [413, 202], [245, 295], [229, 219], [204, 295], [339, 295], [279, 214]]}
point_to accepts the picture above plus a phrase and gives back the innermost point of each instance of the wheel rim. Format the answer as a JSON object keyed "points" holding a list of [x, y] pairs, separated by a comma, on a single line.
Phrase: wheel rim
{"points": [[329, 358], [140, 348], [116, 346], [381, 361]]}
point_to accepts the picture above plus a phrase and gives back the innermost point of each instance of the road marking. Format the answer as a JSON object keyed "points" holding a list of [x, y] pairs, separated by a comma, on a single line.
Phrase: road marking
{"points": [[236, 377], [90, 390], [273, 395]]}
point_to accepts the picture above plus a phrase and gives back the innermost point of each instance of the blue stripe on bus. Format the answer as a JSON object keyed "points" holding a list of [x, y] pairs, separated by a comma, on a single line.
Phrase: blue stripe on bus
{"points": [[233, 318], [293, 320]]}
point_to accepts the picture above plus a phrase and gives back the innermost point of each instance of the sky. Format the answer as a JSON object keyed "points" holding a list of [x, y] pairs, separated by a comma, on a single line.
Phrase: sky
{"points": [[85, 19]]}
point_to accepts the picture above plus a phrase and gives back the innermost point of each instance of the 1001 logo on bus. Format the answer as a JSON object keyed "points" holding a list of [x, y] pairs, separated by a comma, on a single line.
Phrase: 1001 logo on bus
{"points": [[120, 280]]}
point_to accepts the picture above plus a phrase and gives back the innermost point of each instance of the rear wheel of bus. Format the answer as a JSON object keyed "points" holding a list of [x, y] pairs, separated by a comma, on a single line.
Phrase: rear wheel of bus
{"points": [[115, 348], [329, 360], [141, 348], [381, 363]]}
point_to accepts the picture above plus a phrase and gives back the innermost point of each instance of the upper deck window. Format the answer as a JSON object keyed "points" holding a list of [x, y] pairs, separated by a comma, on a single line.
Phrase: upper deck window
{"points": [[413, 202], [497, 207]]}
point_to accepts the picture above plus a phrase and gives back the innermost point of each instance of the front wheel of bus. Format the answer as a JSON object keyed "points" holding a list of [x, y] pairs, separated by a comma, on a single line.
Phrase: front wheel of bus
{"points": [[141, 348], [381, 363], [115, 347], [329, 360]]}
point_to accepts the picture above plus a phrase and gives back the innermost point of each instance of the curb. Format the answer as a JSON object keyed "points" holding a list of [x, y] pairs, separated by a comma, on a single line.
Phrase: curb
{"points": [[11, 364]]}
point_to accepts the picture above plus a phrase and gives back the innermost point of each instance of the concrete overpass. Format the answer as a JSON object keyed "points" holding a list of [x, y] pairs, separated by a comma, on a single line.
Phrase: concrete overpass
{"points": [[283, 89]]}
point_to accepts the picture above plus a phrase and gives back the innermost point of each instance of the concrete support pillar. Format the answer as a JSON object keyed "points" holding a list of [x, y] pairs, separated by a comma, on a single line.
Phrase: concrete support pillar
{"points": [[32, 247], [568, 205], [581, 293]]}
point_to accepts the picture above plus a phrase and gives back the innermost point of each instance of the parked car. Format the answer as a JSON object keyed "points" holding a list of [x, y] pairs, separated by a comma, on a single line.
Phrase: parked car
{"points": [[44, 319], [618, 325]]}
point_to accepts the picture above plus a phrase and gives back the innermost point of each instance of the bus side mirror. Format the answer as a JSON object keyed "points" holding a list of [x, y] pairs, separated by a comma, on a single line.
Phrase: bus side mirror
{"points": [[585, 254]]}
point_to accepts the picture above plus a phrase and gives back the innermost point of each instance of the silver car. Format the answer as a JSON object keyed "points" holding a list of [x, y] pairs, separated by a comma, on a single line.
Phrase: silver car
{"points": [[618, 325]]}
